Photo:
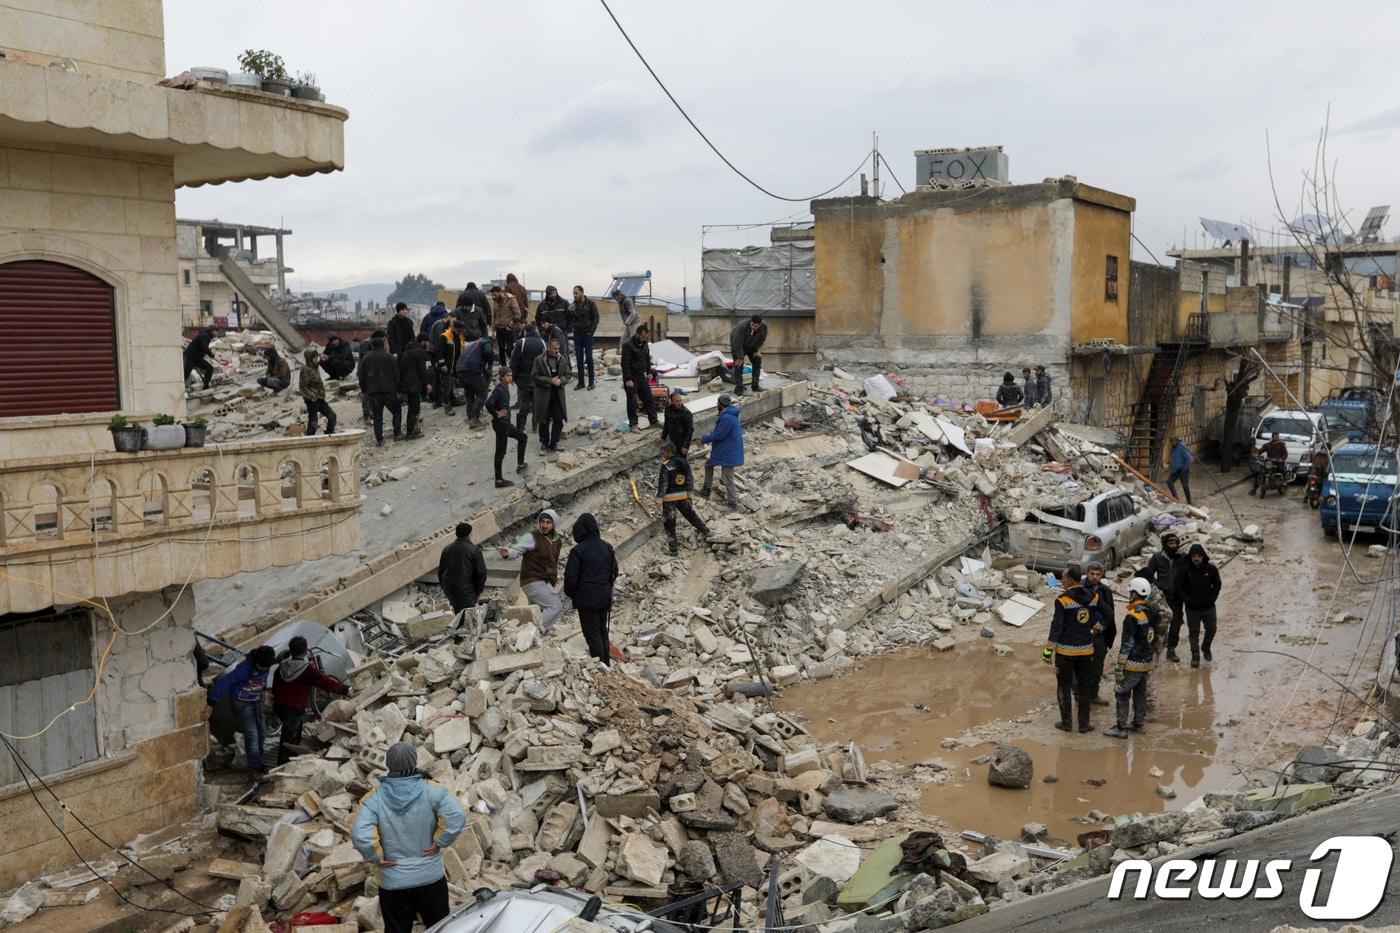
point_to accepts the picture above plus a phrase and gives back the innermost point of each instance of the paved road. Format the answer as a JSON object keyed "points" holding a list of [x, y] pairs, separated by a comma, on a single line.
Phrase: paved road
{"points": [[1086, 906]]}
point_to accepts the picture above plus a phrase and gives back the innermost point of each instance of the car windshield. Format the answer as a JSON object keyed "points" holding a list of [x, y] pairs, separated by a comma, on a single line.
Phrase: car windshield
{"points": [[1365, 465], [1299, 426], [1344, 419]]}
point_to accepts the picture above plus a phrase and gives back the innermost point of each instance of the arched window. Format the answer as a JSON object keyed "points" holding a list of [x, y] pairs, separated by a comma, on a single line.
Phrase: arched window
{"points": [[102, 506], [330, 479], [47, 501], [290, 473], [155, 503], [247, 490], [48, 372], [202, 495]]}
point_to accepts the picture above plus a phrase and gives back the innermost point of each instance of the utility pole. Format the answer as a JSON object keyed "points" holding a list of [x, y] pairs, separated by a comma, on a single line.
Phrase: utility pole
{"points": [[875, 163]]}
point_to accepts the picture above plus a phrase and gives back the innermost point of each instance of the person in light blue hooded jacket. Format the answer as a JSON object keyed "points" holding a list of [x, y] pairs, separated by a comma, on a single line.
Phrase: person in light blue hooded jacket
{"points": [[401, 828]]}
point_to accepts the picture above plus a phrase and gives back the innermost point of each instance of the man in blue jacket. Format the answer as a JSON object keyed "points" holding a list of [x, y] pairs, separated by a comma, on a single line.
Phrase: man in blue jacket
{"points": [[1179, 468], [244, 685], [726, 450], [401, 828]]}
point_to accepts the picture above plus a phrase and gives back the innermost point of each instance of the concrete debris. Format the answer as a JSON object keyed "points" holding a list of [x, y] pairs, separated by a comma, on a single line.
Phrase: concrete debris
{"points": [[1011, 766]]}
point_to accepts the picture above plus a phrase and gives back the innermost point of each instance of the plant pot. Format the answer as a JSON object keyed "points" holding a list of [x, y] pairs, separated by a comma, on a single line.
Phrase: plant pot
{"points": [[164, 437], [305, 92], [278, 87], [127, 440], [245, 80], [212, 75], [196, 434]]}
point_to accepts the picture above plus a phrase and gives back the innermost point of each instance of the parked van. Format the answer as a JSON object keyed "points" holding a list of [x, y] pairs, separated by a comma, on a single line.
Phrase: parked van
{"points": [[1302, 432], [1359, 490]]}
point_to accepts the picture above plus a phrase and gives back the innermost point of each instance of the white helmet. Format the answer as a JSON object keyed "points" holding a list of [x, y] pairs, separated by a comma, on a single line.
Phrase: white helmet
{"points": [[1140, 587]]}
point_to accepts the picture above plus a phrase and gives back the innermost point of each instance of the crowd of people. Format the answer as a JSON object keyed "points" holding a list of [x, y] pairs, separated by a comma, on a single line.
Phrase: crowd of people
{"points": [[1034, 390]]}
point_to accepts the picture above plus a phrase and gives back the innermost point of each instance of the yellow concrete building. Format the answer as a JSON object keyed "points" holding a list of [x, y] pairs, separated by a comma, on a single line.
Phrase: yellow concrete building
{"points": [[98, 548]]}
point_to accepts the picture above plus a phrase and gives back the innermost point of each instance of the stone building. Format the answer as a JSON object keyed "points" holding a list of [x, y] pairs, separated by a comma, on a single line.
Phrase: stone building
{"points": [[206, 292], [98, 549]]}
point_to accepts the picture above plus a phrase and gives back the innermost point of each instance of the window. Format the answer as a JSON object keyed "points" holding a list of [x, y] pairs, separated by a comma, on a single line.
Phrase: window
{"points": [[1110, 283], [48, 667], [187, 276]]}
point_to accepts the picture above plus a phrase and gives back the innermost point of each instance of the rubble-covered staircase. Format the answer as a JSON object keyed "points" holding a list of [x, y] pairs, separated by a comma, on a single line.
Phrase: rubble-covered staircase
{"points": [[1156, 409]]}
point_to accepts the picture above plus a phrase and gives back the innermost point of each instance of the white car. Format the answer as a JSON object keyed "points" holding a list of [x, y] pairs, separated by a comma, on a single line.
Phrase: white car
{"points": [[1302, 432], [1106, 528]]}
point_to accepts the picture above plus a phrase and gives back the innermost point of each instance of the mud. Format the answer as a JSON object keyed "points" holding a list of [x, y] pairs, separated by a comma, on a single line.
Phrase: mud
{"points": [[1237, 715]]}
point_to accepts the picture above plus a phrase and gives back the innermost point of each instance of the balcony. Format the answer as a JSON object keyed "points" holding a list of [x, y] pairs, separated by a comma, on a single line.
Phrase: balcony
{"points": [[84, 526], [213, 134]]}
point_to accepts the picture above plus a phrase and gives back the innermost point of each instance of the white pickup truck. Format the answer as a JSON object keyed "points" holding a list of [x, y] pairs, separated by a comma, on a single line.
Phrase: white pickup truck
{"points": [[1302, 432]]}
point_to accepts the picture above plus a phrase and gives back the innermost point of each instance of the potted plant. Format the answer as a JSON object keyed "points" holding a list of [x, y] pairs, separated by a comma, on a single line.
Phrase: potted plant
{"points": [[270, 67], [196, 432], [126, 435], [307, 87], [164, 434]]}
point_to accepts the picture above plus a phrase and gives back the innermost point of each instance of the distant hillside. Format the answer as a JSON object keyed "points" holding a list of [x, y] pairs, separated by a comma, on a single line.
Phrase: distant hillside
{"points": [[371, 291]]}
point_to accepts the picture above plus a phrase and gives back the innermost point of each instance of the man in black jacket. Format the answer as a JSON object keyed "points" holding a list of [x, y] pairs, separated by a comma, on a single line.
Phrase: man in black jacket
{"points": [[583, 321], [198, 354], [673, 491], [552, 311], [475, 308], [680, 424], [1161, 570], [414, 374], [636, 377], [473, 369], [1105, 629], [522, 363], [498, 407], [462, 570], [339, 360], [379, 383], [400, 330], [1198, 585], [746, 341], [588, 582], [1071, 647]]}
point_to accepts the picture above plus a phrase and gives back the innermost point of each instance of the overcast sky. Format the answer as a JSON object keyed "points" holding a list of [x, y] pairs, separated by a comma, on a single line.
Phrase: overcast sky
{"points": [[487, 137]]}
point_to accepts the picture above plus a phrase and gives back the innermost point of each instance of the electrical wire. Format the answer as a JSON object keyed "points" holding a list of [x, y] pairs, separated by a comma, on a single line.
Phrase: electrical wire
{"points": [[701, 133], [890, 169], [1146, 247]]}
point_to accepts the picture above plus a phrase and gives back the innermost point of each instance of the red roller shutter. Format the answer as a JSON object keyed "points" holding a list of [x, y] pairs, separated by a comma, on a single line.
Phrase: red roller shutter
{"points": [[58, 340]]}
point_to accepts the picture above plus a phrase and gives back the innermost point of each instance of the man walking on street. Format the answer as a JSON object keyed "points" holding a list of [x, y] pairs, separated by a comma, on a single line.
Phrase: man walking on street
{"points": [[245, 685], [473, 369], [462, 570], [1179, 468], [636, 377], [1071, 647], [583, 322], [414, 375], [588, 582], [1105, 627], [538, 551], [1161, 570], [401, 829], [498, 407], [1198, 586], [313, 394], [626, 310], [726, 450], [746, 342], [400, 330], [379, 383], [297, 674], [680, 424], [548, 375], [1135, 661], [522, 366], [673, 492]]}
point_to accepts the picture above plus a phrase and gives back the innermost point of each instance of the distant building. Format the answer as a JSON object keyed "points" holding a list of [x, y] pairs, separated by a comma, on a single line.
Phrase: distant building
{"points": [[205, 293]]}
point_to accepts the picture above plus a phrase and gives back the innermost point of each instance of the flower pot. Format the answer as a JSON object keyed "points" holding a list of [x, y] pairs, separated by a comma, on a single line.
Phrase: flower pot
{"points": [[306, 92], [127, 440], [245, 80], [277, 86], [196, 434], [212, 75], [164, 437]]}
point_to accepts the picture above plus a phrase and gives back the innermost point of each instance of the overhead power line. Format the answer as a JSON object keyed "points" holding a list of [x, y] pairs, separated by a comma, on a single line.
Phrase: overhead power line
{"points": [[889, 168], [713, 148]]}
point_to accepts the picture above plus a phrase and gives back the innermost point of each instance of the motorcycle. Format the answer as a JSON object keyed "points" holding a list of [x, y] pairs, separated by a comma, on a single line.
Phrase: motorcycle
{"points": [[1275, 475], [1312, 493]]}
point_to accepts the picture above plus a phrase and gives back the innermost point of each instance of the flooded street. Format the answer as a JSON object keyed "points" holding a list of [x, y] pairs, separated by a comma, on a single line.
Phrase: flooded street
{"points": [[1244, 711]]}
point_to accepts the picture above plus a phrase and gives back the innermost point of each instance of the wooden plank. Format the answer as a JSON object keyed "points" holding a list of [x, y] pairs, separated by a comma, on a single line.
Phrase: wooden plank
{"points": [[1030, 425]]}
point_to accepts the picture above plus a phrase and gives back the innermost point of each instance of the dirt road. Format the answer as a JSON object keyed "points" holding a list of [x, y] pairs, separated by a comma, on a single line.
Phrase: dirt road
{"points": [[1241, 713]]}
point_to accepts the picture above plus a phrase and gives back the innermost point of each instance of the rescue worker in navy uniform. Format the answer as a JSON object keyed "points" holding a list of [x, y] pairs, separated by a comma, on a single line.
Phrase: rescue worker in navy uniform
{"points": [[1105, 629], [673, 491], [1135, 660], [1071, 646]]}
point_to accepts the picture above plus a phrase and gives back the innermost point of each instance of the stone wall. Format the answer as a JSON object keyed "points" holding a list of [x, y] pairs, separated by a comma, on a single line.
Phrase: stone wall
{"points": [[146, 672], [123, 39]]}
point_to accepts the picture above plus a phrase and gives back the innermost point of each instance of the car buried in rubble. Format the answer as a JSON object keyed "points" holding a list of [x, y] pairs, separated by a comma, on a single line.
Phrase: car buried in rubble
{"points": [[1105, 528]]}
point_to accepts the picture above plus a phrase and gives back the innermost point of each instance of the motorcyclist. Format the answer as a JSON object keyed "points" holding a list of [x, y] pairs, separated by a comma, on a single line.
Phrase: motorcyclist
{"points": [[1273, 457], [1317, 471]]}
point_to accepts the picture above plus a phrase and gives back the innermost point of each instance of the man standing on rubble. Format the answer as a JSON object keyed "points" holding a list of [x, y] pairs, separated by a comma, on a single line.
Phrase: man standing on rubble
{"points": [[498, 407], [379, 384], [1135, 660], [1071, 647], [680, 423], [726, 450], [436, 313], [415, 373], [1028, 387], [538, 551], [583, 322], [1009, 395], [401, 828], [1161, 570], [673, 492], [746, 341], [475, 308], [522, 366], [244, 685], [198, 354], [626, 310], [446, 350], [400, 330], [636, 377], [1198, 585], [462, 570], [297, 673], [552, 311], [588, 582], [313, 394], [1105, 627], [548, 374], [473, 369], [506, 317], [1043, 394]]}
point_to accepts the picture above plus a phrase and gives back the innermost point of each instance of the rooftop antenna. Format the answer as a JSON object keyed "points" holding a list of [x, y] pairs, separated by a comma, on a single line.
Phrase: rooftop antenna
{"points": [[875, 162]]}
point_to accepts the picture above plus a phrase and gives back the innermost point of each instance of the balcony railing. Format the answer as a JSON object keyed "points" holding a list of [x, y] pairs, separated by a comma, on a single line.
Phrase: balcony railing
{"points": [[104, 524], [1198, 327]]}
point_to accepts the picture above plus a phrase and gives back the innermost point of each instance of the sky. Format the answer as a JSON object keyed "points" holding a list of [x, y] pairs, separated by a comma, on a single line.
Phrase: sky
{"points": [[525, 136]]}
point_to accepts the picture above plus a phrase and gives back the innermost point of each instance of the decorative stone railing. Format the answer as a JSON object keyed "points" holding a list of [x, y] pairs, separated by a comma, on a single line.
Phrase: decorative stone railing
{"points": [[80, 526]]}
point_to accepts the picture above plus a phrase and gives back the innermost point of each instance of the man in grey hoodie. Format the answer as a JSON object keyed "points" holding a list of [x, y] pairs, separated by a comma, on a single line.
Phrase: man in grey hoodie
{"points": [[401, 828]]}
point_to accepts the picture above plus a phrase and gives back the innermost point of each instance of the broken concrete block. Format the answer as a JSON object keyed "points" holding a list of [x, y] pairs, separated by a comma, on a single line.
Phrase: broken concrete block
{"points": [[1288, 799], [1011, 766], [773, 584], [236, 871], [597, 838], [696, 860], [452, 734], [634, 804], [283, 846], [1007, 862], [796, 763], [858, 804], [833, 857], [509, 663], [681, 803], [641, 859]]}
